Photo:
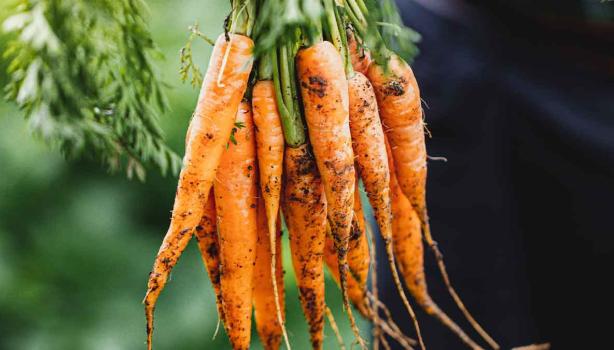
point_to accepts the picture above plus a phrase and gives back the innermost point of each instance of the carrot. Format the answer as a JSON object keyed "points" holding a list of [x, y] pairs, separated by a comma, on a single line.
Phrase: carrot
{"points": [[236, 191], [210, 129], [358, 248], [360, 57], [305, 212], [324, 90], [406, 234], [398, 97], [209, 246], [370, 149], [265, 307], [270, 149]]}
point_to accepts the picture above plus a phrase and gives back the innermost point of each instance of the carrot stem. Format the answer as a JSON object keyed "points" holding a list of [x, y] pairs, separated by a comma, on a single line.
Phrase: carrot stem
{"points": [[243, 16], [291, 121], [265, 68]]}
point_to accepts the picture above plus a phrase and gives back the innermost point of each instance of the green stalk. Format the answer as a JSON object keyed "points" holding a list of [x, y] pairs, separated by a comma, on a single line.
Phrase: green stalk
{"points": [[337, 33], [242, 17], [291, 121], [265, 68], [349, 70]]}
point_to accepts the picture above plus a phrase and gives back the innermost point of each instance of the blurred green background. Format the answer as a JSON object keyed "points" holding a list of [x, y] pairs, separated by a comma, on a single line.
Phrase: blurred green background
{"points": [[77, 243]]}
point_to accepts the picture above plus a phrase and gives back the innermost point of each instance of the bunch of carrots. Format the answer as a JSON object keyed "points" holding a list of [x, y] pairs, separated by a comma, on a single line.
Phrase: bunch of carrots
{"points": [[289, 122]]}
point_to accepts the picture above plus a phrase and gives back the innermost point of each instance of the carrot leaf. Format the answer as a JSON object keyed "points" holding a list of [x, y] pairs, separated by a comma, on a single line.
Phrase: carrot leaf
{"points": [[82, 73]]}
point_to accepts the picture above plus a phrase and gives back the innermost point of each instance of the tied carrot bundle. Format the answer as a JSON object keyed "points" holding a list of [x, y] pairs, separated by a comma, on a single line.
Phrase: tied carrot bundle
{"points": [[324, 91], [265, 307], [305, 212], [407, 237], [270, 149], [370, 149], [209, 246], [210, 129], [236, 191]]}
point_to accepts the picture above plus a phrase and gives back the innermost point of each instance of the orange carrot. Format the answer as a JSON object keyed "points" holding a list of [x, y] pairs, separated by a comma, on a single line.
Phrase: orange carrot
{"points": [[265, 307], [210, 129], [407, 238], [270, 149], [236, 191], [305, 212], [209, 246], [324, 90], [370, 149], [398, 97]]}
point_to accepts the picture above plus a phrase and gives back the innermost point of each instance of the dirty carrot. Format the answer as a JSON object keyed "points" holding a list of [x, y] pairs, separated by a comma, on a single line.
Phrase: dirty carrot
{"points": [[324, 91], [305, 212], [265, 307], [236, 191], [270, 150], [209, 132]]}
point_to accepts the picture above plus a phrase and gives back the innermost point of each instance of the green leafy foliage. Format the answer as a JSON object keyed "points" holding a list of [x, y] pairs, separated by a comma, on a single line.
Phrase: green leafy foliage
{"points": [[188, 67], [381, 29], [397, 36], [82, 73], [278, 22]]}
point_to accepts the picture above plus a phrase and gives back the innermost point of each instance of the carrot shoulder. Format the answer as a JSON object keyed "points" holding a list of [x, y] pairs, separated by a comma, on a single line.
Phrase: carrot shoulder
{"points": [[209, 131], [236, 190], [304, 206]]}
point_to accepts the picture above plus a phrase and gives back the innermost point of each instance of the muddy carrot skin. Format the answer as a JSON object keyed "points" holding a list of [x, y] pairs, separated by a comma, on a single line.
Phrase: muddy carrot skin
{"points": [[210, 128], [209, 246], [265, 311], [236, 191], [304, 206]]}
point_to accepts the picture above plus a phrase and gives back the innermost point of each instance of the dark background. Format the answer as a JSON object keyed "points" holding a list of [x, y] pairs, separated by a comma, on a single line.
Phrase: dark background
{"points": [[520, 101]]}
